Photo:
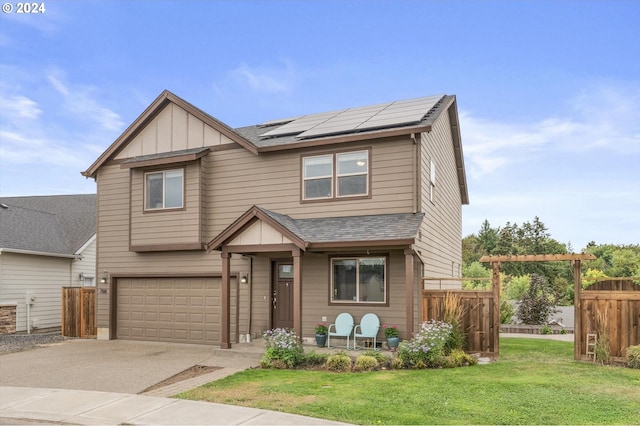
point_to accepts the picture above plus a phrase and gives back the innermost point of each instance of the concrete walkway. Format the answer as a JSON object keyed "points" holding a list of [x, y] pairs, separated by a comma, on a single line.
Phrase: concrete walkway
{"points": [[63, 406]]}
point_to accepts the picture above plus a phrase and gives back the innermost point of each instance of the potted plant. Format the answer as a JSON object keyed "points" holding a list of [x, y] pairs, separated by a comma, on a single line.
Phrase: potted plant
{"points": [[321, 334], [391, 333]]}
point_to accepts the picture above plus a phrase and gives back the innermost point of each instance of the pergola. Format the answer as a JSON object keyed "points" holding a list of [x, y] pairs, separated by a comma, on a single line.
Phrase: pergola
{"points": [[576, 259]]}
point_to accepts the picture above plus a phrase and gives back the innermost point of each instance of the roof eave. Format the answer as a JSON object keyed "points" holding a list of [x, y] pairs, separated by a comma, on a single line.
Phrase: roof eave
{"points": [[355, 137], [39, 253], [406, 242]]}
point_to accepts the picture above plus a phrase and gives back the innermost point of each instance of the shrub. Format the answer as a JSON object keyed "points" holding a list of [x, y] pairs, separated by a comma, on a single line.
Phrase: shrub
{"points": [[315, 359], [633, 356], [427, 347], [537, 303], [545, 329], [453, 313], [396, 363], [339, 361], [283, 349], [366, 363], [506, 311], [377, 355], [603, 351], [458, 358]]}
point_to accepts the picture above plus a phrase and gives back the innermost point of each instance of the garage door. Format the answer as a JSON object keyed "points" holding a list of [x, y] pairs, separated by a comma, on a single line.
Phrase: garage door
{"points": [[180, 310]]}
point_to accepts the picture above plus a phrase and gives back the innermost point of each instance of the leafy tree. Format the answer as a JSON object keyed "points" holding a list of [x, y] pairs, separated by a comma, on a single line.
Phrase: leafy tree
{"points": [[517, 287], [471, 250], [487, 237], [475, 270], [537, 303]]}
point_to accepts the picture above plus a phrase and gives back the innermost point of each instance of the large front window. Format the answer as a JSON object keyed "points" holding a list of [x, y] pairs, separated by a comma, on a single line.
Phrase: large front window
{"points": [[358, 280], [339, 175], [164, 190]]}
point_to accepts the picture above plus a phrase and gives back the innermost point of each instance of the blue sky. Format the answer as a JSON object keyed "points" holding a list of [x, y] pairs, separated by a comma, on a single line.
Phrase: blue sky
{"points": [[548, 91]]}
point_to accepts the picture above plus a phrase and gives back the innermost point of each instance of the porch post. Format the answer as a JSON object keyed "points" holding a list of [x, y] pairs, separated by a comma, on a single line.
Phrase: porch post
{"points": [[577, 310], [225, 302], [297, 291], [408, 289]]}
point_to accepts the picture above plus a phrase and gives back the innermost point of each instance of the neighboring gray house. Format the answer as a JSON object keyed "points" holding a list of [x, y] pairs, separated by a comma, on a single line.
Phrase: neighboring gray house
{"points": [[46, 243]]}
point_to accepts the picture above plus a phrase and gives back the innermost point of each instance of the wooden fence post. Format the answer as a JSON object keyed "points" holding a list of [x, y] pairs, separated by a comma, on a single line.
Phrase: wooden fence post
{"points": [[577, 311], [495, 287]]}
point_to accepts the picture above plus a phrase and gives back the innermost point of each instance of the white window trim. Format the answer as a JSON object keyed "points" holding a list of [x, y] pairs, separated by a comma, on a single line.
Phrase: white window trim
{"points": [[164, 191]]}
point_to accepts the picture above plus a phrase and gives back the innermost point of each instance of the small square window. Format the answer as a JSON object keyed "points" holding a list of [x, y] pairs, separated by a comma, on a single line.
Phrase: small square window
{"points": [[164, 189]]}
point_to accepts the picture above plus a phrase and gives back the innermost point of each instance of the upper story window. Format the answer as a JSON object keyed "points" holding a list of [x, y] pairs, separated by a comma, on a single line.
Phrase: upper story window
{"points": [[164, 189], [339, 175]]}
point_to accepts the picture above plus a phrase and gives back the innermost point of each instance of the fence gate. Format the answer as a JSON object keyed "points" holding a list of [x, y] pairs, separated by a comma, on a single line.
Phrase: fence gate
{"points": [[79, 312]]}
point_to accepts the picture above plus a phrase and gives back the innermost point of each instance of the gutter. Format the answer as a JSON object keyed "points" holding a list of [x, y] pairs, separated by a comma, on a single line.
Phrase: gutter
{"points": [[40, 253]]}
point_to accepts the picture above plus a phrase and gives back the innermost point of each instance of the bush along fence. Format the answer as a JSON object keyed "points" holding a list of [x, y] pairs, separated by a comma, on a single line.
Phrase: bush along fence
{"points": [[610, 309], [479, 319]]}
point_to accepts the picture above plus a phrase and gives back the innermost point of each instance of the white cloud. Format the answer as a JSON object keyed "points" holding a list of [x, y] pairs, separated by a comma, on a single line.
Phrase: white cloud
{"points": [[81, 100], [19, 107], [267, 79], [603, 117]]}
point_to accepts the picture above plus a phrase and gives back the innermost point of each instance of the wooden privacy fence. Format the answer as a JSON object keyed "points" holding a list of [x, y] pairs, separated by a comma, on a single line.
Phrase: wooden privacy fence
{"points": [[480, 319], [79, 311], [617, 301]]}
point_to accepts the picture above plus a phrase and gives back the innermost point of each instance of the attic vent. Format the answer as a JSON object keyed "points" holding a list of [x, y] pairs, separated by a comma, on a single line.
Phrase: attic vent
{"points": [[4, 206]]}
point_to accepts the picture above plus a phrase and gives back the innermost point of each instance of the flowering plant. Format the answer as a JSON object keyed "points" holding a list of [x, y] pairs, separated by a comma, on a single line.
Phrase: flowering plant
{"points": [[283, 349], [321, 328], [427, 347], [390, 331]]}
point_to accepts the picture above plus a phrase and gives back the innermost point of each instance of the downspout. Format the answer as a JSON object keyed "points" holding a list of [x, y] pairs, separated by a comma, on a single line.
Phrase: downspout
{"points": [[28, 303], [250, 294], [414, 171]]}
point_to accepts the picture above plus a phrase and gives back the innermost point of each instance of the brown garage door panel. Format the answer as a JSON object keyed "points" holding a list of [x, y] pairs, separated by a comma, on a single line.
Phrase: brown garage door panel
{"points": [[182, 310]]}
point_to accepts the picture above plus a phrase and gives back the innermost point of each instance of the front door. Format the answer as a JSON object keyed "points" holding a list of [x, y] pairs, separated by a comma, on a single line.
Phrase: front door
{"points": [[282, 294]]}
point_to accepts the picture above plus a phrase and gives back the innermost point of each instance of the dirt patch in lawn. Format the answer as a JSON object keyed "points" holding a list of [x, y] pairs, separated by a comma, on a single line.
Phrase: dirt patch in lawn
{"points": [[189, 373]]}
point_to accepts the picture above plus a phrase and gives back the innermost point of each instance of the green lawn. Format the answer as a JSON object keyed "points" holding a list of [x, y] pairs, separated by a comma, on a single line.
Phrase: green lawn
{"points": [[534, 382]]}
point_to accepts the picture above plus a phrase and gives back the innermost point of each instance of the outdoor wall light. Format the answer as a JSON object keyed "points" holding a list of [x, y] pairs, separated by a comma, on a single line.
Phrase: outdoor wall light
{"points": [[244, 279], [81, 276], [105, 278]]}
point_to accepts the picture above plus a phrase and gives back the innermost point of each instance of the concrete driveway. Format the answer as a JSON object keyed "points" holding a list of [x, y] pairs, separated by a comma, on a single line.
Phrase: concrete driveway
{"points": [[103, 365]]}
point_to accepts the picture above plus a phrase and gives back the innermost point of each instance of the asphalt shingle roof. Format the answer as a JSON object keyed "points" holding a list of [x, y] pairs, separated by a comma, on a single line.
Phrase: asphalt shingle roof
{"points": [[399, 226], [59, 224]]}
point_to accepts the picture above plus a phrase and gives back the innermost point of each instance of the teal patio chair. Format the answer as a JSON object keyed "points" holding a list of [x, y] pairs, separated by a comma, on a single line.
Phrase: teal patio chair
{"points": [[341, 328], [368, 328]]}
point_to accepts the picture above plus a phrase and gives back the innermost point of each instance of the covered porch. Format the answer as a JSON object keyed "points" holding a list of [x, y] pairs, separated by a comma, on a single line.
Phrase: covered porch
{"points": [[300, 259]]}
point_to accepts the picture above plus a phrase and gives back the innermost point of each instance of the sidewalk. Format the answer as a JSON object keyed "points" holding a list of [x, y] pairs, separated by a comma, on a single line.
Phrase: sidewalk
{"points": [[61, 406]]}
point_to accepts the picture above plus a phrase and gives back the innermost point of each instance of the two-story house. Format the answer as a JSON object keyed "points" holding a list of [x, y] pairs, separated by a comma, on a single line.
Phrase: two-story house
{"points": [[208, 234]]}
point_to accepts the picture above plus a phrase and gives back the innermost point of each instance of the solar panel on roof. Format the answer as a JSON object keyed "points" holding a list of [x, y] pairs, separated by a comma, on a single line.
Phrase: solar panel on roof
{"points": [[300, 125], [390, 114]]}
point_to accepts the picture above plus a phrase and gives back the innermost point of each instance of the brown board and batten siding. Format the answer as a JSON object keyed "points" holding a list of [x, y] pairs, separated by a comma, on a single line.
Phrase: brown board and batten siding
{"points": [[173, 129], [440, 244]]}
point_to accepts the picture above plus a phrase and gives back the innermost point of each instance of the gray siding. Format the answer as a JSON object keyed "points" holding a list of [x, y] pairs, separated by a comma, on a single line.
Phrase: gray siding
{"points": [[41, 276]]}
